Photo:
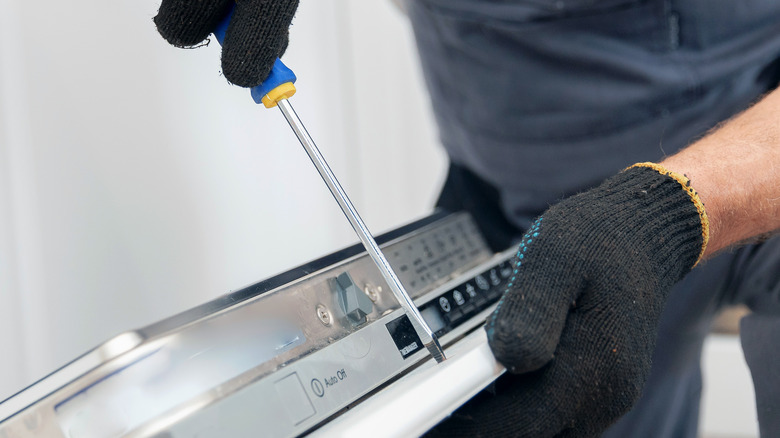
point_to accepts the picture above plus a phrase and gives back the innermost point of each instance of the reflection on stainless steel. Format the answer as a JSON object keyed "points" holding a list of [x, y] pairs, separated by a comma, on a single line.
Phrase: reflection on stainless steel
{"points": [[261, 358], [110, 349], [189, 364]]}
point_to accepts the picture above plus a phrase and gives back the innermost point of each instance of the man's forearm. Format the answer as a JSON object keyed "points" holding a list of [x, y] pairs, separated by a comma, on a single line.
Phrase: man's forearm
{"points": [[736, 171]]}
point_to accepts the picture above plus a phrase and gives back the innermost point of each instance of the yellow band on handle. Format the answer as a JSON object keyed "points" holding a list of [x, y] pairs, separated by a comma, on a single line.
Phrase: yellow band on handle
{"points": [[685, 182], [284, 91]]}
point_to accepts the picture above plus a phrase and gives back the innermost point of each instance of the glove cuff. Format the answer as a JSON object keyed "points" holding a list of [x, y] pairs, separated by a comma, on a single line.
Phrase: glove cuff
{"points": [[685, 183]]}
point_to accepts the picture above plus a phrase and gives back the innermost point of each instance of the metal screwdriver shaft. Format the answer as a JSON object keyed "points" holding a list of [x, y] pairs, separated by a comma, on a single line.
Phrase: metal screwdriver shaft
{"points": [[275, 91], [427, 336]]}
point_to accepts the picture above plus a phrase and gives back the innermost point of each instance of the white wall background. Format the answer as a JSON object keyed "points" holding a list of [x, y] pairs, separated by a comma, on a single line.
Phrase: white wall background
{"points": [[728, 407], [135, 183]]}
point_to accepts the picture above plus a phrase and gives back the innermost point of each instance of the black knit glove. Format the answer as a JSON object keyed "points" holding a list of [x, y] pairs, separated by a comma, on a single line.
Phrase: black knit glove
{"points": [[577, 324], [256, 36]]}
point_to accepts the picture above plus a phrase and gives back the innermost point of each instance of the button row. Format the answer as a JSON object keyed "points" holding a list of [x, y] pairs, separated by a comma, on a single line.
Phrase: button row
{"points": [[471, 297]]}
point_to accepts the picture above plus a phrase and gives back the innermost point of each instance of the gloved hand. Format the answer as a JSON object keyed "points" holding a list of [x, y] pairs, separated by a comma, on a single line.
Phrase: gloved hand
{"points": [[577, 324], [256, 36]]}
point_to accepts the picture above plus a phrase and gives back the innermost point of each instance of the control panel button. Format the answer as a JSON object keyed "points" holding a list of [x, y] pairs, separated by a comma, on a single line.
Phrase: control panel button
{"points": [[494, 279], [458, 297], [470, 290], [352, 300], [505, 269], [444, 303], [482, 283]]}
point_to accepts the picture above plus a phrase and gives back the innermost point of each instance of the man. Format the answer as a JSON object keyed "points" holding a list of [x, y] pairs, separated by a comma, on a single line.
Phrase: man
{"points": [[539, 100]]}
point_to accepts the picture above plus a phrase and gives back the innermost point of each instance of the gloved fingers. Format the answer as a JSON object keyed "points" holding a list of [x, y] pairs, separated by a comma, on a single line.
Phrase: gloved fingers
{"points": [[539, 404], [601, 366], [594, 378], [524, 330], [185, 23], [518, 406], [256, 36]]}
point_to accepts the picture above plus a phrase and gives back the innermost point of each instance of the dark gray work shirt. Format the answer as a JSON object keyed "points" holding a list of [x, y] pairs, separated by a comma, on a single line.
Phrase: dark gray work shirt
{"points": [[545, 98]]}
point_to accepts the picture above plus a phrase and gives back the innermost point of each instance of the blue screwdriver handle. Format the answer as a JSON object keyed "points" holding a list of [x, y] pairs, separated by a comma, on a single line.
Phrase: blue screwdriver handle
{"points": [[279, 77]]}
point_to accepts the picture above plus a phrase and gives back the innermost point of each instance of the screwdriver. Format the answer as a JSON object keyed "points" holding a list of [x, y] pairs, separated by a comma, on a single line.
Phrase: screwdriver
{"points": [[275, 92]]}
